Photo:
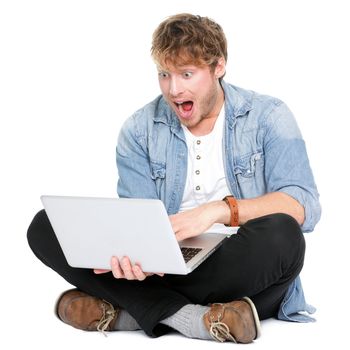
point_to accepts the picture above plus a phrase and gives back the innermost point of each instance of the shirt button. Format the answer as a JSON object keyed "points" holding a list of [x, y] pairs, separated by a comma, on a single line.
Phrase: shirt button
{"points": [[198, 157], [197, 172], [198, 142], [198, 188]]}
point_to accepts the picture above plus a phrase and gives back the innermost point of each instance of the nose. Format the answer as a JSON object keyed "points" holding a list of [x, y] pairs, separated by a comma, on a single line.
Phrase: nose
{"points": [[176, 88]]}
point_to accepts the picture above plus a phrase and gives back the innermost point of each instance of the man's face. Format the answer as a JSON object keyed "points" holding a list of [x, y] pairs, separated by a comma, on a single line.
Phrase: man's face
{"points": [[192, 92]]}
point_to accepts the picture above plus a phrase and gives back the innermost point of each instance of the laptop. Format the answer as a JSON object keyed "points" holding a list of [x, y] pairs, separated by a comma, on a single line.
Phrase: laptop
{"points": [[91, 230]]}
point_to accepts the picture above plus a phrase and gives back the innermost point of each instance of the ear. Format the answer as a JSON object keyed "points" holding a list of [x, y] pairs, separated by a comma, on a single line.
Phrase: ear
{"points": [[220, 68]]}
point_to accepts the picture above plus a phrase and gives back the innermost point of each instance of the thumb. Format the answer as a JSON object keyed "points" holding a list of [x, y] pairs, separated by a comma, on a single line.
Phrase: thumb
{"points": [[99, 271]]}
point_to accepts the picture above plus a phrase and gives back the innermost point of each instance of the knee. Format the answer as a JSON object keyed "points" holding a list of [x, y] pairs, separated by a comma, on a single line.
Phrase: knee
{"points": [[280, 231], [36, 228], [285, 223], [285, 231]]}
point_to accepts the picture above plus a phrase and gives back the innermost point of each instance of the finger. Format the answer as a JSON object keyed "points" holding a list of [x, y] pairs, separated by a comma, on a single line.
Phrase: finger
{"points": [[99, 271], [180, 236], [116, 270], [126, 268], [140, 275], [173, 222], [154, 273]]}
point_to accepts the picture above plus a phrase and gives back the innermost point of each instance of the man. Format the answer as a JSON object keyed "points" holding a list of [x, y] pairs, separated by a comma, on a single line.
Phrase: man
{"points": [[200, 142]]}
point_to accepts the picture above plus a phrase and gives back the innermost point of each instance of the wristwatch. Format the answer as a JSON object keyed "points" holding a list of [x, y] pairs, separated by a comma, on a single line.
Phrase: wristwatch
{"points": [[232, 203]]}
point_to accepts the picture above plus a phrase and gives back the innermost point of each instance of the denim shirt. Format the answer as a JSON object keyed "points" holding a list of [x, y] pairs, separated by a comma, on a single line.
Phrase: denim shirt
{"points": [[263, 152]]}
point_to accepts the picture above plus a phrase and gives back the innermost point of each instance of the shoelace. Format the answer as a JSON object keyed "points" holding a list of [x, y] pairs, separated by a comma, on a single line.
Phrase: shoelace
{"points": [[109, 314], [219, 330]]}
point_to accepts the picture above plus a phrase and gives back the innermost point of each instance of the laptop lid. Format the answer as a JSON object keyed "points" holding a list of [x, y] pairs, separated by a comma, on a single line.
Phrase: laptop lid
{"points": [[91, 230]]}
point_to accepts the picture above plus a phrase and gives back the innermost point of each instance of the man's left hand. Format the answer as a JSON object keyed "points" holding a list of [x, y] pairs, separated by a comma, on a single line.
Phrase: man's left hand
{"points": [[195, 221]]}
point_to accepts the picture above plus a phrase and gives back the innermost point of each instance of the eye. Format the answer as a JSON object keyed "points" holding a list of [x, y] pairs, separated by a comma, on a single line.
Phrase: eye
{"points": [[163, 75], [187, 75]]}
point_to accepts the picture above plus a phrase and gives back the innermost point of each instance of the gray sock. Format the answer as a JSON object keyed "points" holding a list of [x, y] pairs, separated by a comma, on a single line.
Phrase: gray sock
{"points": [[125, 322], [189, 321]]}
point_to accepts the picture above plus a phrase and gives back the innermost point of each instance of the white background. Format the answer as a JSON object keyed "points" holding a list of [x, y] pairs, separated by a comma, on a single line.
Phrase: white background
{"points": [[72, 71]]}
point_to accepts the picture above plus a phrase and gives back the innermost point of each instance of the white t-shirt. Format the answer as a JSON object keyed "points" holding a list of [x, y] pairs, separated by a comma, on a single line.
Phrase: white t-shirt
{"points": [[206, 180]]}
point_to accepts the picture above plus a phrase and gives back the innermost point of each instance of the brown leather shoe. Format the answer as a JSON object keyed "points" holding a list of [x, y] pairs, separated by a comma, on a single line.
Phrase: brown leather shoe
{"points": [[237, 321], [86, 312]]}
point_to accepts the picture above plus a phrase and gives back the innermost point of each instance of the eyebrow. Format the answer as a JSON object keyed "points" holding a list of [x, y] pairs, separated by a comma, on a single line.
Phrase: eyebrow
{"points": [[187, 66], [178, 68]]}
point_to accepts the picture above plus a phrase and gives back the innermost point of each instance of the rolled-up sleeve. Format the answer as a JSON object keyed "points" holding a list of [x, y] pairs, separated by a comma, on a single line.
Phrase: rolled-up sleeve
{"points": [[287, 167]]}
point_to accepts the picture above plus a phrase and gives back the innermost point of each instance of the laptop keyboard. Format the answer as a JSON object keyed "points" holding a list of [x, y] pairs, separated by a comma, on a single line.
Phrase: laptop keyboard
{"points": [[188, 252]]}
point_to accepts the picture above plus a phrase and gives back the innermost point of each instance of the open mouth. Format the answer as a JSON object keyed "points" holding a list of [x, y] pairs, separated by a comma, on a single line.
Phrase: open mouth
{"points": [[185, 108]]}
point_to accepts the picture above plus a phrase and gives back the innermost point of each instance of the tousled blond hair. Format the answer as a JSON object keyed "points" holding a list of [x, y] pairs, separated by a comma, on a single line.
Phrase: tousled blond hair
{"points": [[188, 39]]}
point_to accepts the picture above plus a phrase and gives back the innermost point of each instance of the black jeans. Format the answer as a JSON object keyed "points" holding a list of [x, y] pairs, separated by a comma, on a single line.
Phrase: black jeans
{"points": [[260, 262]]}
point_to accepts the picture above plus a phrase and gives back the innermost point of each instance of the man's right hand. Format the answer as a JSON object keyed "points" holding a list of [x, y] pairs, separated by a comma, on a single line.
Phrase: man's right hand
{"points": [[124, 269]]}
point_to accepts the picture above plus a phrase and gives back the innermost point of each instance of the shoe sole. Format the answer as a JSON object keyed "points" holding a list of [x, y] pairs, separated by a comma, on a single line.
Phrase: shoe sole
{"points": [[255, 315]]}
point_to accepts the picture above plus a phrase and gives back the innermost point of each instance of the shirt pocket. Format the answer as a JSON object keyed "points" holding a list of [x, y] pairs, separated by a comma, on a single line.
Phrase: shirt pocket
{"points": [[249, 172], [158, 174]]}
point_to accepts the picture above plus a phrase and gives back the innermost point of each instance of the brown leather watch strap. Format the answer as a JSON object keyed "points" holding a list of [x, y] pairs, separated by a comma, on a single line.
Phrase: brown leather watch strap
{"points": [[232, 203]]}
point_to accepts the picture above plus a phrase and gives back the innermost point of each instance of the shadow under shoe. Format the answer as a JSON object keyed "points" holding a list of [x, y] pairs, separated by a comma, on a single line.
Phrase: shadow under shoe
{"points": [[83, 311], [237, 321]]}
